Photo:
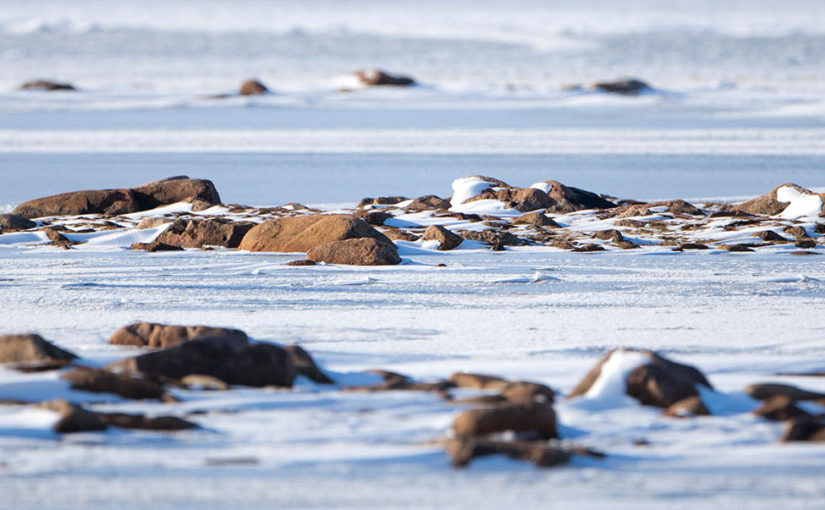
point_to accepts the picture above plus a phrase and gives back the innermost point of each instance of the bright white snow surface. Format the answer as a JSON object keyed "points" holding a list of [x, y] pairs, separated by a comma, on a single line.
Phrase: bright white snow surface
{"points": [[800, 205], [737, 110]]}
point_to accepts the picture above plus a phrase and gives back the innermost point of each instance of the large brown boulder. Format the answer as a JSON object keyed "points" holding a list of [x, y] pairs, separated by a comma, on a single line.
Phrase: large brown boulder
{"points": [[535, 417], [769, 205], [195, 233], [364, 251], [13, 222], [165, 336], [301, 233], [656, 382], [447, 240], [100, 381], [120, 201], [30, 349], [566, 199], [258, 364], [377, 77]]}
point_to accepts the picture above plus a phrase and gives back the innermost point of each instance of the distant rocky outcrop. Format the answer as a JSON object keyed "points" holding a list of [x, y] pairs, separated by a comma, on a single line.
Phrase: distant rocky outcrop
{"points": [[551, 196], [47, 85], [121, 201]]}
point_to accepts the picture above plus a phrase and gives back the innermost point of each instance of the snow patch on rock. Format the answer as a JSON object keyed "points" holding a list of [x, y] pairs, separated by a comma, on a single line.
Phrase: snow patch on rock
{"points": [[799, 204]]}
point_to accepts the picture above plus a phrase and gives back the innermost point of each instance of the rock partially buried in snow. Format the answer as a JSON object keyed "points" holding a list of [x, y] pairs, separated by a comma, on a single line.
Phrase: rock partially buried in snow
{"points": [[73, 418], [31, 349], [101, 381], [301, 233], [804, 429], [252, 88], [642, 374], [165, 336], [446, 239], [788, 201], [463, 450], [305, 365], [364, 251], [765, 391], [120, 201]]}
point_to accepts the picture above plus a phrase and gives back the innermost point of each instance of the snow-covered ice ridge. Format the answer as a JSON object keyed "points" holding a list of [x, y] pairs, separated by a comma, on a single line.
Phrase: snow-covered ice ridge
{"points": [[535, 310]]}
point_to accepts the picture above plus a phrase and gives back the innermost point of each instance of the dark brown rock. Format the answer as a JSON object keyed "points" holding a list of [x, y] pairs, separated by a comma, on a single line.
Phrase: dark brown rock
{"points": [[804, 429], [534, 418], [252, 88], [142, 422], [693, 246], [50, 86], [194, 233], [305, 365], [447, 240], [765, 391], [495, 238], [396, 234], [526, 392], [530, 199], [154, 246], [736, 247], [255, 365], [365, 251], [609, 235], [302, 262], [380, 201], [805, 244], [377, 77], [73, 418], [56, 238], [31, 348], [624, 86], [101, 381], [779, 408], [586, 248], [13, 223], [796, 231], [567, 199], [164, 336], [301, 233], [771, 236], [376, 218]]}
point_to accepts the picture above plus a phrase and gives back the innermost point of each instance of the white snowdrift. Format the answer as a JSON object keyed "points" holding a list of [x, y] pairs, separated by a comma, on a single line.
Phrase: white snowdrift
{"points": [[800, 205]]}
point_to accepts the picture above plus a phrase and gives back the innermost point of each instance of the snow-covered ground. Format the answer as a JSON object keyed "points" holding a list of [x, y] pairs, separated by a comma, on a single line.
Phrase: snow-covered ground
{"points": [[738, 109]]}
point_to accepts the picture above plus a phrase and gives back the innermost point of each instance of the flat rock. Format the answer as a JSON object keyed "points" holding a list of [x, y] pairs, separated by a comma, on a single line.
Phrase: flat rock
{"points": [[624, 86], [100, 381], [47, 85], [13, 223], [154, 246], [765, 391], [195, 233]]}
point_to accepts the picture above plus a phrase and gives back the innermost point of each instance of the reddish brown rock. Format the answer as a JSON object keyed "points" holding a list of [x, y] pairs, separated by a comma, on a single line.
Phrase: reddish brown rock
{"points": [[609, 235], [428, 203], [365, 251], [525, 392], [380, 201], [536, 219], [536, 418], [447, 240], [252, 88], [164, 336], [301, 233]]}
